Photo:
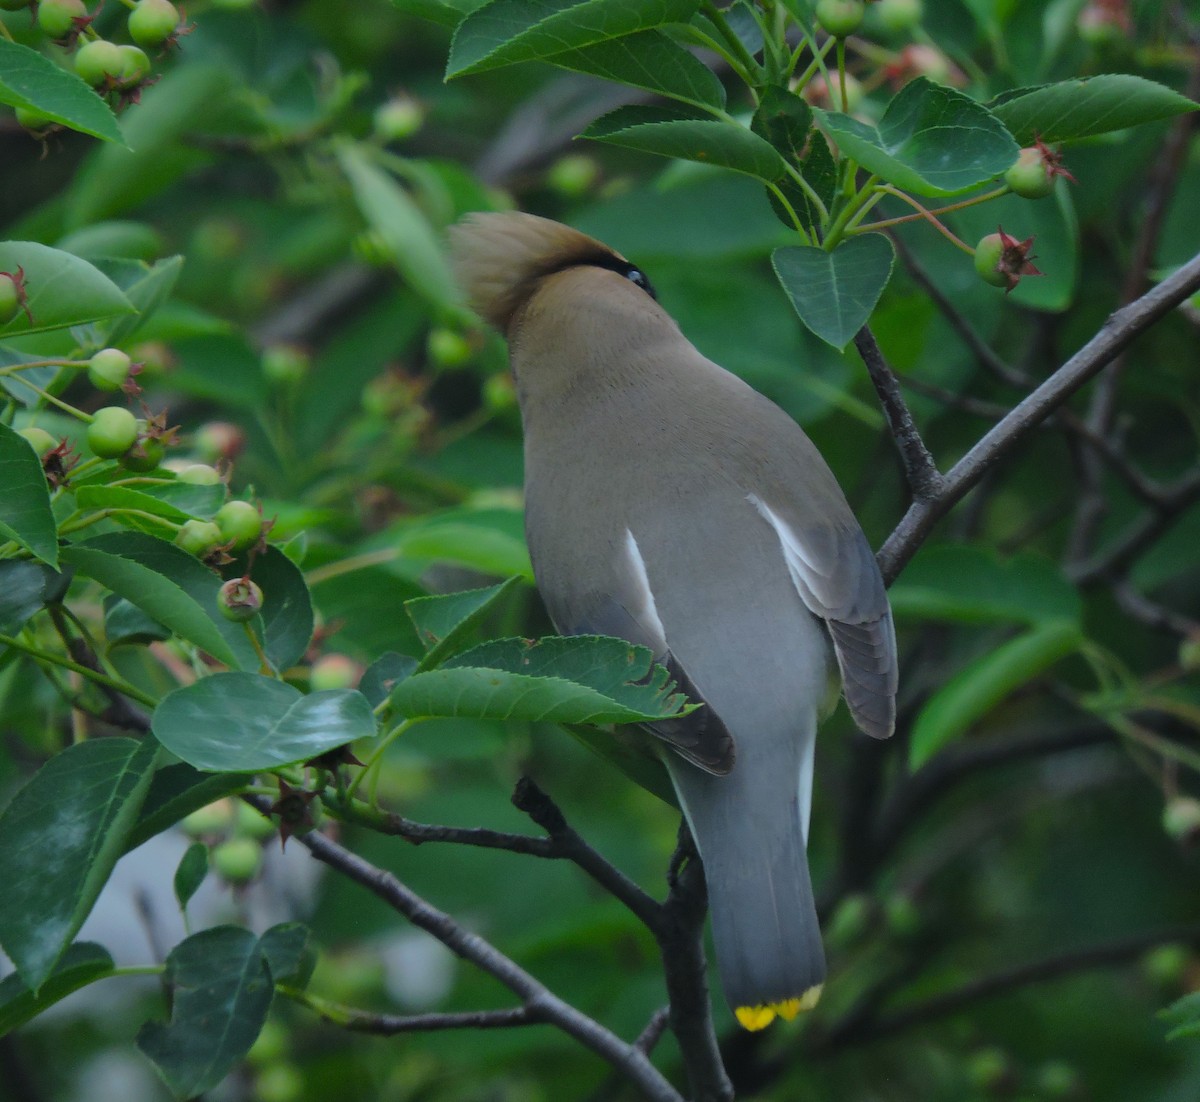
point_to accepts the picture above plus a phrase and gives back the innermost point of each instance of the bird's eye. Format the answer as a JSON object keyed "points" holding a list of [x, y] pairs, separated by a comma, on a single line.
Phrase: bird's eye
{"points": [[638, 278]]}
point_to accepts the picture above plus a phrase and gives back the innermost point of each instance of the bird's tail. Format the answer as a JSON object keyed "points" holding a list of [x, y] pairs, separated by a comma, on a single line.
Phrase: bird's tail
{"points": [[750, 828]]}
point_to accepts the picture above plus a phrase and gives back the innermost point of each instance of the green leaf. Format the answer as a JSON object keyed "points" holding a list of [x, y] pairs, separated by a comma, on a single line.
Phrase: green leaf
{"points": [[504, 32], [59, 839], [583, 679], [63, 290], [1183, 1015], [976, 690], [166, 583], [221, 993], [193, 868], [22, 593], [175, 792], [246, 723], [931, 140], [402, 226], [30, 79], [447, 12], [25, 514], [786, 121], [631, 751], [82, 963], [290, 957], [127, 498], [443, 621], [649, 60], [676, 132], [1074, 109], [835, 292], [973, 585], [146, 286], [384, 674]]}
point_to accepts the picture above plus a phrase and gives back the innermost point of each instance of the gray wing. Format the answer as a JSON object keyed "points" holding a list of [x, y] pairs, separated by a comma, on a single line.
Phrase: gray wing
{"points": [[626, 610], [835, 573]]}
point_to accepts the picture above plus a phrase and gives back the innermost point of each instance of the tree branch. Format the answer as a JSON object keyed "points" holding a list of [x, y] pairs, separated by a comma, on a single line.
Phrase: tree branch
{"points": [[536, 998], [1117, 334], [866, 1027], [681, 942], [924, 479]]}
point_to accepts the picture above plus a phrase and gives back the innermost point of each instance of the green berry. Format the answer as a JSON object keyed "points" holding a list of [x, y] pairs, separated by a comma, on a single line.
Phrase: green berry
{"points": [[99, 62], [573, 175], [1030, 177], [850, 922], [448, 349], [499, 393], [840, 17], [211, 819], [1057, 1079], [33, 120], [10, 298], [1189, 654], [108, 369], [233, 5], [239, 600], [39, 439], [240, 523], [987, 260], [112, 433], [989, 1069], [285, 364], [1166, 966], [237, 860], [152, 22], [145, 455], [1181, 818], [57, 17], [279, 1083], [199, 474], [253, 824], [198, 537], [398, 118], [899, 16], [135, 66], [903, 917]]}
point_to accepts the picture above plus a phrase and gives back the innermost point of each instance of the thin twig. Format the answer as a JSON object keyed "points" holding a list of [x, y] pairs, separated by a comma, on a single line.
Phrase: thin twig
{"points": [[924, 479], [534, 995], [655, 1028], [1106, 954], [1151, 613], [1118, 333]]}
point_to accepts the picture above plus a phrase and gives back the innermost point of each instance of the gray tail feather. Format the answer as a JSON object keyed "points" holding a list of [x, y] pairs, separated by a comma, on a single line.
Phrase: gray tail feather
{"points": [[764, 920]]}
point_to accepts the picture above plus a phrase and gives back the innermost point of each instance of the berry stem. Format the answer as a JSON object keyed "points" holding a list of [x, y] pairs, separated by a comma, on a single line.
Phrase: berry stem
{"points": [[961, 205], [48, 397], [371, 765], [923, 213], [265, 667], [841, 64], [39, 655], [747, 68], [838, 230]]}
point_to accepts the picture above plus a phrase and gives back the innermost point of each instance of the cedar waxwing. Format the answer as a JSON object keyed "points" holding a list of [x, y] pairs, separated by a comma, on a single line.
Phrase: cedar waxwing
{"points": [[669, 504]]}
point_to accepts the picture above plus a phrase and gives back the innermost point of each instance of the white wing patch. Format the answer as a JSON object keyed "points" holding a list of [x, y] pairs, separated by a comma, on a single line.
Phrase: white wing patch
{"points": [[811, 567], [645, 611]]}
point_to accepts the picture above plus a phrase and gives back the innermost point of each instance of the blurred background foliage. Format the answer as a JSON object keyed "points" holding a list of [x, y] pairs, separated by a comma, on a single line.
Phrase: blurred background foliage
{"points": [[308, 341]]}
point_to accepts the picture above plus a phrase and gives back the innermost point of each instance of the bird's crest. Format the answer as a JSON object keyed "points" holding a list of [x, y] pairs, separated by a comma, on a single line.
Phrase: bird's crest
{"points": [[499, 258]]}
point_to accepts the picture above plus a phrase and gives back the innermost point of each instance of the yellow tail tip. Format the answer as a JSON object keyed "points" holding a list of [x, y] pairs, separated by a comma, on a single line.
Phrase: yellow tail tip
{"points": [[759, 1017]]}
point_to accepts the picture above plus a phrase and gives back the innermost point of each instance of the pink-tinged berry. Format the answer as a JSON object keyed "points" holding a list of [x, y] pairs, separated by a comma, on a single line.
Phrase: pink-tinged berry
{"points": [[99, 63], [62, 18], [240, 600], [821, 93], [1104, 24], [334, 671], [398, 118], [153, 22], [240, 523], [198, 537], [840, 17], [112, 432], [219, 440], [1002, 260], [108, 369]]}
